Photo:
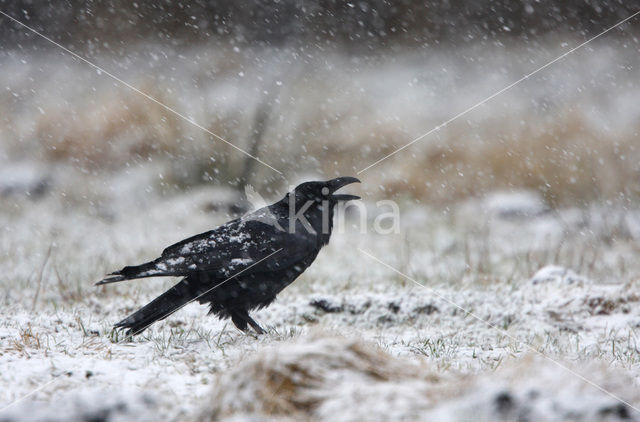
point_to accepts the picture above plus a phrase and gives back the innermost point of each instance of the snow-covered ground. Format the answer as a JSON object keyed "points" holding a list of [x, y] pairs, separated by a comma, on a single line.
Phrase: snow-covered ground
{"points": [[484, 285]]}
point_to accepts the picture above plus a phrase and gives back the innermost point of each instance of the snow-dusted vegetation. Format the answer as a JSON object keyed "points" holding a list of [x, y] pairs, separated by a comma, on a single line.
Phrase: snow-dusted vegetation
{"points": [[564, 283], [509, 291]]}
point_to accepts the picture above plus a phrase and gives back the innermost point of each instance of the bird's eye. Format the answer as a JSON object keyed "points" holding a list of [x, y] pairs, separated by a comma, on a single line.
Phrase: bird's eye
{"points": [[325, 191]]}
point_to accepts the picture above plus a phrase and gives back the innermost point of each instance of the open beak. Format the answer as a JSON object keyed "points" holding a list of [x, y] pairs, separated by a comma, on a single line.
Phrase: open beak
{"points": [[339, 182]]}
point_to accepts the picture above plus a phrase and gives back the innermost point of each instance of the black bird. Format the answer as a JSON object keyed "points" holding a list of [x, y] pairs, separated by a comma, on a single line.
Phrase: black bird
{"points": [[243, 264]]}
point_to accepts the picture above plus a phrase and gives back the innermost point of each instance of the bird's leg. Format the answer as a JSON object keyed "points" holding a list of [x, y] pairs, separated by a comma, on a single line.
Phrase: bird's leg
{"points": [[242, 318], [239, 321]]}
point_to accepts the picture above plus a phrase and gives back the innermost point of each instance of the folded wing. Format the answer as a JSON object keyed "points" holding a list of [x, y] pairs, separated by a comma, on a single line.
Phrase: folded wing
{"points": [[240, 246]]}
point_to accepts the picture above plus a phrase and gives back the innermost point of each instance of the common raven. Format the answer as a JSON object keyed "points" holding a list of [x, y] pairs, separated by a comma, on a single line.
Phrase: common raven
{"points": [[243, 264]]}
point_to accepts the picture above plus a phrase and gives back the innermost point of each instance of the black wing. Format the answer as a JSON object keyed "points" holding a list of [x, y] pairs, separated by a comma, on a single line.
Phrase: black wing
{"points": [[254, 243], [240, 246], [236, 246]]}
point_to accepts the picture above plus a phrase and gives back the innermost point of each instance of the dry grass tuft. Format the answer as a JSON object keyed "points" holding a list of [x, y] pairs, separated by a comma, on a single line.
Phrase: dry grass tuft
{"points": [[26, 340], [301, 380]]}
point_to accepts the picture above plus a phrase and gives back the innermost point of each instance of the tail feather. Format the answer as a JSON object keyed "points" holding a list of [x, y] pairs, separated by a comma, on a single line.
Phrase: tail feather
{"points": [[111, 278], [148, 269], [162, 306]]}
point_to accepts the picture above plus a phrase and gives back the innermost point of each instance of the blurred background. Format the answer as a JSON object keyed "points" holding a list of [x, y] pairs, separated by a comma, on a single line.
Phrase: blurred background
{"points": [[319, 89], [525, 210]]}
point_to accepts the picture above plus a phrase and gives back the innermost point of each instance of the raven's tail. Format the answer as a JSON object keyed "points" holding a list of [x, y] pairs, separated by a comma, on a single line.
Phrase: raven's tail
{"points": [[148, 269], [162, 306]]}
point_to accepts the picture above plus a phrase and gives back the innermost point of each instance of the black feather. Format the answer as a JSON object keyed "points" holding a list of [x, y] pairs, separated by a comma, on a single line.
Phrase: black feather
{"points": [[162, 306]]}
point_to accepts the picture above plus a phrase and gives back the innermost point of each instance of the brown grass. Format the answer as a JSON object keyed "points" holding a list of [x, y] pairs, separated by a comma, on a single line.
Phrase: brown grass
{"points": [[109, 131], [27, 340], [560, 155], [565, 160], [293, 381]]}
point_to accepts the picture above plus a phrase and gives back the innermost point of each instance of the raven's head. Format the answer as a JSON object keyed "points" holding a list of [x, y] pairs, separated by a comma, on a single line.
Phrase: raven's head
{"points": [[323, 191], [310, 206]]}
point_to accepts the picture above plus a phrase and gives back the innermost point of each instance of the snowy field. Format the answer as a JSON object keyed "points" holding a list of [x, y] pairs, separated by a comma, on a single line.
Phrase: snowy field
{"points": [[501, 298], [487, 258]]}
